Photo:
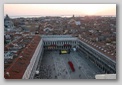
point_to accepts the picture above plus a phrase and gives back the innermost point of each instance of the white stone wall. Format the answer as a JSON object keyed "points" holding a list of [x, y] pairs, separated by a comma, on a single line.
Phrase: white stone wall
{"points": [[30, 71]]}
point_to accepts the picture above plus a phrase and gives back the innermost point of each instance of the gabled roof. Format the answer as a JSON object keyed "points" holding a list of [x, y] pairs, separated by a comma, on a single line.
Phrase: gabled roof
{"points": [[105, 53], [19, 65]]}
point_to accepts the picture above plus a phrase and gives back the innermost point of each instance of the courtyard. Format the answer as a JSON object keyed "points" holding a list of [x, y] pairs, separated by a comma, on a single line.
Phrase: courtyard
{"points": [[55, 66]]}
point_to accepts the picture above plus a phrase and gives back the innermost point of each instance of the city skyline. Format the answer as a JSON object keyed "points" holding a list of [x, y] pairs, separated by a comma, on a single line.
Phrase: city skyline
{"points": [[60, 48], [59, 9]]}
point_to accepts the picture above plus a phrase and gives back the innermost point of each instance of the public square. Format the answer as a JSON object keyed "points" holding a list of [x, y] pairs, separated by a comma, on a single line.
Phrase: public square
{"points": [[55, 66]]}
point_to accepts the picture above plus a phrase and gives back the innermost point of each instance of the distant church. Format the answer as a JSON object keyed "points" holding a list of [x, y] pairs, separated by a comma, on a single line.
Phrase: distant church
{"points": [[8, 24]]}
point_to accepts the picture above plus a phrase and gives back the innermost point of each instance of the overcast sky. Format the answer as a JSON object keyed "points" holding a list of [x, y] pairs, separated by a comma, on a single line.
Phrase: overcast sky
{"points": [[59, 9]]}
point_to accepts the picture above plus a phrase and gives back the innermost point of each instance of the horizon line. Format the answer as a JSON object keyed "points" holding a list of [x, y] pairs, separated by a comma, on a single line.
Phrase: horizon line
{"points": [[56, 15]]}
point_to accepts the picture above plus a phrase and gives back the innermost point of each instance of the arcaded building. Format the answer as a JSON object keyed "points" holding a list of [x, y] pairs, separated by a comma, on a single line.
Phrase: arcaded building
{"points": [[60, 57]]}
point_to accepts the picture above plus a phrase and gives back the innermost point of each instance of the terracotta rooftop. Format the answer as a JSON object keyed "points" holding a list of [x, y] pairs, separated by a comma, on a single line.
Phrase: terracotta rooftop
{"points": [[10, 44], [19, 65], [113, 57]]}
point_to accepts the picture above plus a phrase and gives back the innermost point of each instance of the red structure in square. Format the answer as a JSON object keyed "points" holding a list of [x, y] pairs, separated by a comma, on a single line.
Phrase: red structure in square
{"points": [[71, 66]]}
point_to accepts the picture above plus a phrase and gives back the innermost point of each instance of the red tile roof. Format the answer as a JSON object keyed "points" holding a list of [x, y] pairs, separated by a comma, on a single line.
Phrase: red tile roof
{"points": [[11, 45], [19, 65], [113, 57]]}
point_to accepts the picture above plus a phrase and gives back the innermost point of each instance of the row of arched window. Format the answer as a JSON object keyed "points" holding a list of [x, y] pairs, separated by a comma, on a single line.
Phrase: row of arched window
{"points": [[59, 42], [97, 61]]}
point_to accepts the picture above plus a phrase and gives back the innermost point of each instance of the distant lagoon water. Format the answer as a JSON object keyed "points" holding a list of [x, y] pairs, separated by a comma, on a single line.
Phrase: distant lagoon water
{"points": [[37, 16]]}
